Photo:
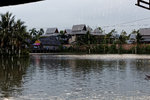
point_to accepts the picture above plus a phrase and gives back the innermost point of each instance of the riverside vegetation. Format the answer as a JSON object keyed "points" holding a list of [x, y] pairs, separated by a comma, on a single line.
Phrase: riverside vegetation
{"points": [[88, 44], [14, 36], [14, 40]]}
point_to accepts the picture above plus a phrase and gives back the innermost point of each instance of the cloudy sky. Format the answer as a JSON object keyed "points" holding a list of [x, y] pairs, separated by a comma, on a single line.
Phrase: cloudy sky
{"points": [[65, 13]]}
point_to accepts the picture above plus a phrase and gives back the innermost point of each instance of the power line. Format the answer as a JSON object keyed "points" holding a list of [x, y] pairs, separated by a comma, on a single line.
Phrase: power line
{"points": [[129, 22], [117, 25]]}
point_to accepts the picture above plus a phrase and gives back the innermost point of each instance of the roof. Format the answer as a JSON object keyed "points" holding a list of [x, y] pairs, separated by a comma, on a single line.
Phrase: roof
{"points": [[133, 36], [51, 30], [54, 34], [89, 29], [97, 32], [15, 2], [144, 31], [77, 28], [68, 31], [51, 41]]}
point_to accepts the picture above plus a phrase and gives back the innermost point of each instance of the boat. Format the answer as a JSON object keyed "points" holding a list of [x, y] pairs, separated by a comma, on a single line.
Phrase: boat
{"points": [[147, 76]]}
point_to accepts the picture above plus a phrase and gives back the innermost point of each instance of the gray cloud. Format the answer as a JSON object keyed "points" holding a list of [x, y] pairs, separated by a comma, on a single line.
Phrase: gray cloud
{"points": [[65, 13]]}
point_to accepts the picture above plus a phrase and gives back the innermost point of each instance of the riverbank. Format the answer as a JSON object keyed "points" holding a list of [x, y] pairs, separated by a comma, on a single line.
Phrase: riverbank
{"points": [[93, 56]]}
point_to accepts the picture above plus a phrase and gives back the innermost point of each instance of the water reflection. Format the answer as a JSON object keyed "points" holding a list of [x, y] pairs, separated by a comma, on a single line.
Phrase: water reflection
{"points": [[12, 71], [52, 77]]}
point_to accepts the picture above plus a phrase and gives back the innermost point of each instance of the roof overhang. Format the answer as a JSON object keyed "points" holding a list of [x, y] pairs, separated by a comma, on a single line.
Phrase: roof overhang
{"points": [[15, 2], [144, 4]]}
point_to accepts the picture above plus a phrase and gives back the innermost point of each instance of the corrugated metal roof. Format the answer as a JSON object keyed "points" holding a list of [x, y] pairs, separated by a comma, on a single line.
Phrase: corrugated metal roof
{"points": [[79, 33], [81, 27], [52, 31], [88, 28], [54, 34], [144, 31], [51, 41], [68, 31], [97, 32]]}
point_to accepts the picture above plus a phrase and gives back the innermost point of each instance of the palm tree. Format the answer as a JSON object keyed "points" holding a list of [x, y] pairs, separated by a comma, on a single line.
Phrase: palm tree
{"points": [[12, 34], [110, 35], [6, 30], [35, 34], [20, 35]]}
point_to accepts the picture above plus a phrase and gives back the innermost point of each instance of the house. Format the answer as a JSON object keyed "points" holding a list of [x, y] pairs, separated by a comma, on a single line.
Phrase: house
{"points": [[50, 43], [89, 29], [79, 29], [145, 33], [99, 35], [132, 39], [77, 32], [115, 37], [51, 32], [68, 31]]}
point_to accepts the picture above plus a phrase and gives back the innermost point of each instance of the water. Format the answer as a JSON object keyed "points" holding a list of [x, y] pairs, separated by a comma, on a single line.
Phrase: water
{"points": [[75, 77]]}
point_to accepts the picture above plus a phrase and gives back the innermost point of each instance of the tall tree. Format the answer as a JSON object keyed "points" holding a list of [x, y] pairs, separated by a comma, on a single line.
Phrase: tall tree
{"points": [[12, 34], [35, 34]]}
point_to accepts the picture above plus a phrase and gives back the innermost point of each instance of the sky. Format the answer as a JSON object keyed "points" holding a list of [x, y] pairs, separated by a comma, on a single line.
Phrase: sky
{"points": [[63, 14]]}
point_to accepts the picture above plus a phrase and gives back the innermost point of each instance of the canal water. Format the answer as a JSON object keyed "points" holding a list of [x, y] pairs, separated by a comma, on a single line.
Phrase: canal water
{"points": [[75, 77]]}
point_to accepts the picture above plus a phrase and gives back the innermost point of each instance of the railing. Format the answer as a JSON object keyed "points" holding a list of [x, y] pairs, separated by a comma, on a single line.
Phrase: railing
{"points": [[144, 4]]}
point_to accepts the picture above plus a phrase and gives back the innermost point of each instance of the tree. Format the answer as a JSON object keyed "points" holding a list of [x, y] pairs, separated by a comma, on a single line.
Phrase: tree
{"points": [[101, 30], [110, 35], [12, 34], [123, 37], [138, 37], [35, 34]]}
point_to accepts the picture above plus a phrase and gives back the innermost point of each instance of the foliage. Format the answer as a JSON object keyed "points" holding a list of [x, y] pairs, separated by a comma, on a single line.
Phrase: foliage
{"points": [[123, 37], [13, 35], [35, 34], [86, 39], [138, 37]]}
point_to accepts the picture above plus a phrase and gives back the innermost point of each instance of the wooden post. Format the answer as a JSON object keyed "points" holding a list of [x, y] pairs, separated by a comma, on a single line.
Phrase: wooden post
{"points": [[149, 4], [138, 2]]}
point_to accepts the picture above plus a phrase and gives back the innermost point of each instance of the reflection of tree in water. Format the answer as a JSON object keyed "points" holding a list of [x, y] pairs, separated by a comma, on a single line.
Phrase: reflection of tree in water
{"points": [[11, 75]]}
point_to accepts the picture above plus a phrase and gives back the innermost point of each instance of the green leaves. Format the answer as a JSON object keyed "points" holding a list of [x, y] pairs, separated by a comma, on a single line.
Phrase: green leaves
{"points": [[13, 34]]}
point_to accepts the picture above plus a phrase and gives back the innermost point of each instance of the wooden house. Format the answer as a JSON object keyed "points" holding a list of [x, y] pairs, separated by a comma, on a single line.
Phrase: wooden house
{"points": [[145, 33], [50, 43], [132, 39], [99, 35], [77, 32]]}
